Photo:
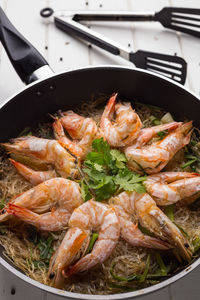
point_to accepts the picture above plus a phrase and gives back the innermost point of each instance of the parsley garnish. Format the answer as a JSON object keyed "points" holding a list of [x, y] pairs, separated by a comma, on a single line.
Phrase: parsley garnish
{"points": [[105, 173]]}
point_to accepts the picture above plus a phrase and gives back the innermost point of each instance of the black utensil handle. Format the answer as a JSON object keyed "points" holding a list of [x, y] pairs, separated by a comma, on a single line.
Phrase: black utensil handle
{"points": [[23, 56], [113, 16], [73, 27]]}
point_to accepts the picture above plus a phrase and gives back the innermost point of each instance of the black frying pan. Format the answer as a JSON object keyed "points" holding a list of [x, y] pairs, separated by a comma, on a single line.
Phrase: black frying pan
{"points": [[66, 91]]}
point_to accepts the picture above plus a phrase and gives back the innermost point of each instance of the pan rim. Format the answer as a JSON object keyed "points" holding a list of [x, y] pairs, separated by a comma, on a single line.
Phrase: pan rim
{"points": [[119, 296], [73, 70]]}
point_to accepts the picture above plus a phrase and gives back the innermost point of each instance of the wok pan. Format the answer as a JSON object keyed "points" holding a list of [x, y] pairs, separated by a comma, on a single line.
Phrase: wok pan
{"points": [[67, 90]]}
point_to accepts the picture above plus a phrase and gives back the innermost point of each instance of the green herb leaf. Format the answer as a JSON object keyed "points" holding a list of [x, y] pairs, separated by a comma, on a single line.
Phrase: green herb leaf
{"points": [[94, 158], [105, 172], [85, 192], [106, 190], [119, 157], [103, 150], [130, 181]]}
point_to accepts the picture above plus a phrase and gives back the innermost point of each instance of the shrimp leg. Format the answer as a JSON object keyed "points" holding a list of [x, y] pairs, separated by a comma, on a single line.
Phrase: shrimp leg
{"points": [[34, 177]]}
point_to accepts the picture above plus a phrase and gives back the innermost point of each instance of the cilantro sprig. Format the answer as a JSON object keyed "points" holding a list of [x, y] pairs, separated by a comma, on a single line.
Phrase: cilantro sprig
{"points": [[105, 173]]}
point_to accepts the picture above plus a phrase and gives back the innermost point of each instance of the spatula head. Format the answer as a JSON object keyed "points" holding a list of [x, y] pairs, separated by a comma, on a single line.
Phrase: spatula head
{"points": [[173, 67], [186, 20]]}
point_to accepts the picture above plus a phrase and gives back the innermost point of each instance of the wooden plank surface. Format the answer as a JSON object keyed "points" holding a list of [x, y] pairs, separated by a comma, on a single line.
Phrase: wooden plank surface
{"points": [[64, 52]]}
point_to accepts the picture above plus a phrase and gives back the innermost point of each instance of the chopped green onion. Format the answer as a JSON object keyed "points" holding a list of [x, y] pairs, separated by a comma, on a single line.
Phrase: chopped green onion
{"points": [[25, 131], [161, 264], [32, 234], [154, 120], [2, 203], [141, 167], [122, 278], [190, 156], [146, 270], [45, 247], [190, 162], [92, 242], [196, 244], [145, 230], [169, 211], [162, 134], [193, 169], [193, 143]]}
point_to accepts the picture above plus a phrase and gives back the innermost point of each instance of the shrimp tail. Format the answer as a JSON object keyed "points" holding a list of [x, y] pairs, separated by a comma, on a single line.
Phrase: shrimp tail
{"points": [[58, 130], [22, 213], [85, 263], [110, 107], [186, 131]]}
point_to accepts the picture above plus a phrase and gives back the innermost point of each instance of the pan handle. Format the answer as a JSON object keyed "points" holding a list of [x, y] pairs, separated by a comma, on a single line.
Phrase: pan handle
{"points": [[29, 64]]}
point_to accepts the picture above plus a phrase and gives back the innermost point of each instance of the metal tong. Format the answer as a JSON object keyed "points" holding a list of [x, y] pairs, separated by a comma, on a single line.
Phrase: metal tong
{"points": [[173, 67]]}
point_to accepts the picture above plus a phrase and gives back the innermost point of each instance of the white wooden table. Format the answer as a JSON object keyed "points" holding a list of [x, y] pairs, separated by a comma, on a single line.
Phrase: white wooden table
{"points": [[64, 52]]}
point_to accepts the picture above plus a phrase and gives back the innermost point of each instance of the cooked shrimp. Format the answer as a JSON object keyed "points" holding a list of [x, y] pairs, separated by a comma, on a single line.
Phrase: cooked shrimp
{"points": [[169, 187], [82, 130], [146, 134], [89, 216], [124, 205], [34, 177], [47, 206], [126, 127], [152, 218], [40, 150], [153, 158]]}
